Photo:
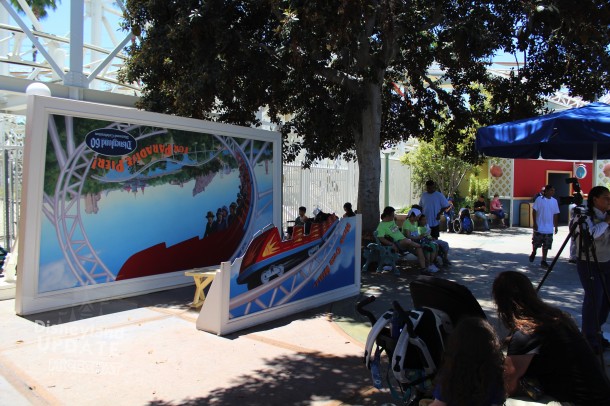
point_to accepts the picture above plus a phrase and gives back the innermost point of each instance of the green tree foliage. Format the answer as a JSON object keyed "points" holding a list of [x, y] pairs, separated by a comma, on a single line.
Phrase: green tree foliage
{"points": [[430, 161], [558, 44], [39, 7], [326, 70], [476, 188]]}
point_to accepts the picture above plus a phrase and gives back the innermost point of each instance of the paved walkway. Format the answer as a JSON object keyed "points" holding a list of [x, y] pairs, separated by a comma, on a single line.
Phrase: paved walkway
{"points": [[146, 350]]}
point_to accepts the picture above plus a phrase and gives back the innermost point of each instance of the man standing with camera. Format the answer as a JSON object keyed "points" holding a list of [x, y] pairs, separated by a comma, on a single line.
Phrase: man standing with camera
{"points": [[595, 277], [546, 217]]}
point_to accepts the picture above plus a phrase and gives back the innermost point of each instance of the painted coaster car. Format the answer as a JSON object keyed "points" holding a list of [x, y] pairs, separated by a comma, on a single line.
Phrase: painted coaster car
{"points": [[268, 257]]}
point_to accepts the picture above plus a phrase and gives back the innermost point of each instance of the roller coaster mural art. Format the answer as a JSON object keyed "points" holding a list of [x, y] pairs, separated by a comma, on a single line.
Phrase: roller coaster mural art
{"points": [[124, 201], [277, 277]]}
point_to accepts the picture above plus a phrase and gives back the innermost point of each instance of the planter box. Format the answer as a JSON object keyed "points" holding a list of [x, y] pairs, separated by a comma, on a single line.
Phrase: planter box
{"points": [[400, 219]]}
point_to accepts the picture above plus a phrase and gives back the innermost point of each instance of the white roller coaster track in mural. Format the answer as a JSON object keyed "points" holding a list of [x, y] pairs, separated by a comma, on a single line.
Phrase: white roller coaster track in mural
{"points": [[64, 209]]}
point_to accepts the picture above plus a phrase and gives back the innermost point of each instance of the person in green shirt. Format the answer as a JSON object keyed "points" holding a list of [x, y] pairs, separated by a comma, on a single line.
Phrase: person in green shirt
{"points": [[409, 227], [389, 234], [428, 244], [412, 230]]}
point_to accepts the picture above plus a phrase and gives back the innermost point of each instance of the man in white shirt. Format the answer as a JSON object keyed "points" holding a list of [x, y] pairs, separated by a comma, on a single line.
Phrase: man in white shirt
{"points": [[546, 216]]}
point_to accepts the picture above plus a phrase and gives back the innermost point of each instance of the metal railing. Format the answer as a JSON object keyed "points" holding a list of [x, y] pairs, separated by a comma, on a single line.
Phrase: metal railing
{"points": [[12, 130]]}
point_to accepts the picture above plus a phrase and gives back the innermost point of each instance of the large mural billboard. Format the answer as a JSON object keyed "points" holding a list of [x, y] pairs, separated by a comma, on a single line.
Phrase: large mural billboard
{"points": [[136, 196]]}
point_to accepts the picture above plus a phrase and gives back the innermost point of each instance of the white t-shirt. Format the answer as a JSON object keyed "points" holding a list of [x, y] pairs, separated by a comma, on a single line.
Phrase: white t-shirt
{"points": [[546, 208]]}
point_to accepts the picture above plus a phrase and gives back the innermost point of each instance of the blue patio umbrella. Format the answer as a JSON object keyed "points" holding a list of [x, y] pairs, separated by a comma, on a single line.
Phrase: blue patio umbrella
{"points": [[575, 135]]}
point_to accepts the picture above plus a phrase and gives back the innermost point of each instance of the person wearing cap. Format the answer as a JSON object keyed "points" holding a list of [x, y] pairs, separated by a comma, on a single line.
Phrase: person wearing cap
{"points": [[210, 226], [545, 213], [389, 234], [434, 204], [409, 227]]}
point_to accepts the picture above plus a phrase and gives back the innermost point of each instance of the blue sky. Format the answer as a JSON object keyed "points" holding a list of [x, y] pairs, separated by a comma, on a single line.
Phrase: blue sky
{"points": [[58, 22]]}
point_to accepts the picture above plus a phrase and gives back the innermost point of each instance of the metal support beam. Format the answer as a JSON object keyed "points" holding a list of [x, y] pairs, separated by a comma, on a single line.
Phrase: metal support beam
{"points": [[7, 211], [75, 76], [109, 58]]}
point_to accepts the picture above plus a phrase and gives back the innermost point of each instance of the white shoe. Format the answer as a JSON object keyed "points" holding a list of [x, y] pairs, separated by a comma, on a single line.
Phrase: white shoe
{"points": [[433, 269]]}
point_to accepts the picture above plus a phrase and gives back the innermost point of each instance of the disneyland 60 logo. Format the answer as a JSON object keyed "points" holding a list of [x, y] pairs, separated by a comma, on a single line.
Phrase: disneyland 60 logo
{"points": [[111, 142]]}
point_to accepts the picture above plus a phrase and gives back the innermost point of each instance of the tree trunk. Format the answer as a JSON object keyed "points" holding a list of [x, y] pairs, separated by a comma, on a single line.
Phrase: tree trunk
{"points": [[367, 143]]}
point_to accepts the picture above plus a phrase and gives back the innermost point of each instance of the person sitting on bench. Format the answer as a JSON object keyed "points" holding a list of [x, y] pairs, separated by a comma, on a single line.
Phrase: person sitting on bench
{"points": [[495, 207], [389, 234], [479, 211], [410, 229]]}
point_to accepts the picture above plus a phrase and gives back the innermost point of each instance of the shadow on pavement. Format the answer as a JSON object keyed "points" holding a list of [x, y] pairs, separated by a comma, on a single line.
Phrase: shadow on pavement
{"points": [[298, 379], [475, 268], [178, 298]]}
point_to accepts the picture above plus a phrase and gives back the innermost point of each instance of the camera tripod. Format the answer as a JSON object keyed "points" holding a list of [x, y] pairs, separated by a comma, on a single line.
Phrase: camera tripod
{"points": [[579, 230]]}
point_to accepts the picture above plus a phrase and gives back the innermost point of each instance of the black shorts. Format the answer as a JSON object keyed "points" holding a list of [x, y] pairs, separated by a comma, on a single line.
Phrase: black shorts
{"points": [[542, 240], [435, 232]]}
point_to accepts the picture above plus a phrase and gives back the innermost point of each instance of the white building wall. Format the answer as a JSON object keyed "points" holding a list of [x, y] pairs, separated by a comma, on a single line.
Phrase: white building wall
{"points": [[401, 187], [329, 184]]}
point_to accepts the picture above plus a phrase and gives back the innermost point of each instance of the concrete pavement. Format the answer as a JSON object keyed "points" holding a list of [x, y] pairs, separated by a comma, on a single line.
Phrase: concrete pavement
{"points": [[146, 350]]}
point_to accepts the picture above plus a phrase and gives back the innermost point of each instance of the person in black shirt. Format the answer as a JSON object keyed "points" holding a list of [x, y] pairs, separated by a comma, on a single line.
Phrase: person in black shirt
{"points": [[479, 211], [472, 369], [545, 348]]}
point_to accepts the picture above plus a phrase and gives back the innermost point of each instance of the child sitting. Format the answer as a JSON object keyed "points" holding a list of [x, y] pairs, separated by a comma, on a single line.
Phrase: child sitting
{"points": [[428, 244], [440, 248], [410, 229]]}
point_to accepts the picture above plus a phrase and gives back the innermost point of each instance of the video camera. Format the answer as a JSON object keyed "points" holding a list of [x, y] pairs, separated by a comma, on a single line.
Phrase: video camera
{"points": [[576, 198], [579, 211]]}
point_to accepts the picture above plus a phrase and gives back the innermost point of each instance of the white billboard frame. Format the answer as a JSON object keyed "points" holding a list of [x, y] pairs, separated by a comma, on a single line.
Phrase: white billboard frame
{"points": [[39, 110]]}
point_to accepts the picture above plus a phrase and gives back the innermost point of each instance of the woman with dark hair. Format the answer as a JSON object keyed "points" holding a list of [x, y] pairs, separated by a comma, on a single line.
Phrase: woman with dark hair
{"points": [[472, 368], [595, 306], [545, 348]]}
